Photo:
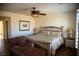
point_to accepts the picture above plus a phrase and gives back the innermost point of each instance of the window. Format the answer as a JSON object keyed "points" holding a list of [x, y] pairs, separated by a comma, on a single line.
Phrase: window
{"points": [[77, 29]]}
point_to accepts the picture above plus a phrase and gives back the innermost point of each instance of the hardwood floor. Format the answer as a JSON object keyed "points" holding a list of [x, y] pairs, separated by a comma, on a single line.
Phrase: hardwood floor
{"points": [[66, 51]]}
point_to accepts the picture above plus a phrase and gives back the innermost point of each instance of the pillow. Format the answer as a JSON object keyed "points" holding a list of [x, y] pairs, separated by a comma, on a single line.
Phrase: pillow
{"points": [[36, 30], [44, 32], [56, 34]]}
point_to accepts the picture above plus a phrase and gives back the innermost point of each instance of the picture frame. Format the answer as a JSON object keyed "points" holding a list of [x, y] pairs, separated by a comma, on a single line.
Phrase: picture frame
{"points": [[24, 25]]}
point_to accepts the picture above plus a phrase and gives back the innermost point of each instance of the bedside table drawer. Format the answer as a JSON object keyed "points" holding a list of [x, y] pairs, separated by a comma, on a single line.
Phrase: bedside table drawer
{"points": [[69, 43]]}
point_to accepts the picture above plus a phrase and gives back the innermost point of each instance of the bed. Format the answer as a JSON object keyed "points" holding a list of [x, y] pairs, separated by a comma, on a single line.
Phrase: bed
{"points": [[50, 35]]}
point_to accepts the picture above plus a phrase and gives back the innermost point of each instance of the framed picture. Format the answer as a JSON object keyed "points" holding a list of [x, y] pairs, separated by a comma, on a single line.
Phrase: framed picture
{"points": [[24, 25]]}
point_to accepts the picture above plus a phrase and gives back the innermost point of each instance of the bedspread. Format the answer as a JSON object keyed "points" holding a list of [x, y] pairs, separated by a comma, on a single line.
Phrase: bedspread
{"points": [[55, 42]]}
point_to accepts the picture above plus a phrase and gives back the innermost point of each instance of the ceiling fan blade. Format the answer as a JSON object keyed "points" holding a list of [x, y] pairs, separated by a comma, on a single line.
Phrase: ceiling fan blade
{"points": [[33, 15], [35, 12], [42, 14]]}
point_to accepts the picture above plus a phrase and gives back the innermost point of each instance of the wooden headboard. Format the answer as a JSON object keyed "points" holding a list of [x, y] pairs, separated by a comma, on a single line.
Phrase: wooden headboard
{"points": [[54, 29]]}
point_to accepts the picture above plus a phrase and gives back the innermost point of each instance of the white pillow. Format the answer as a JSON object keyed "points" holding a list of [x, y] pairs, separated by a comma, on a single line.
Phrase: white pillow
{"points": [[56, 34], [46, 32]]}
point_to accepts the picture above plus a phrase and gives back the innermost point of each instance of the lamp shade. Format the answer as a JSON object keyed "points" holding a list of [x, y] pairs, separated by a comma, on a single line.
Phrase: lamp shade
{"points": [[70, 32]]}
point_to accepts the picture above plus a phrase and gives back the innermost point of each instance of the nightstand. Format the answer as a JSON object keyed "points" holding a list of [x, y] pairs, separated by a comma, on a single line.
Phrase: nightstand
{"points": [[70, 42]]}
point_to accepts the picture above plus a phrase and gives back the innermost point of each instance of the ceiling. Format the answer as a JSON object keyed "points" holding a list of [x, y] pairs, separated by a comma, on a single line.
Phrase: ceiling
{"points": [[48, 8]]}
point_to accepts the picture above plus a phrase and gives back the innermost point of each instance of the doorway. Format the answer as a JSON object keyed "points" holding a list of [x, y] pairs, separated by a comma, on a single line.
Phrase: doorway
{"points": [[1, 38], [4, 34], [1, 30]]}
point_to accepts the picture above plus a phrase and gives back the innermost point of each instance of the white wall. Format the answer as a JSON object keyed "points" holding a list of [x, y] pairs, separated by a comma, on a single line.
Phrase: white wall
{"points": [[15, 23], [62, 19], [58, 19]]}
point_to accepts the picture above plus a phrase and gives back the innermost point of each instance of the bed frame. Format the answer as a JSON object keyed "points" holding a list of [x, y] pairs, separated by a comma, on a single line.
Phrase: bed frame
{"points": [[51, 29]]}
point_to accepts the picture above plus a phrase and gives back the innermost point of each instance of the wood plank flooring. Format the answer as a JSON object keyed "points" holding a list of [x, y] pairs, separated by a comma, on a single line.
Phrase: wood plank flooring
{"points": [[66, 51]]}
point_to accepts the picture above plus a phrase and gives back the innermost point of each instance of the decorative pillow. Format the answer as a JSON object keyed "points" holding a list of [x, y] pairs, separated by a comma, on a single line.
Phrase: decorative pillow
{"points": [[36, 30]]}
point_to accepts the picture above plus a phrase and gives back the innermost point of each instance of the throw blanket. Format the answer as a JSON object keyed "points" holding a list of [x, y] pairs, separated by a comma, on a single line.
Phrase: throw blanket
{"points": [[55, 44]]}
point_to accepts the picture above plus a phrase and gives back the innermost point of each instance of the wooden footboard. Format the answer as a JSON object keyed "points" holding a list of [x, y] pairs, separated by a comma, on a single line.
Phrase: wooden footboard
{"points": [[46, 46]]}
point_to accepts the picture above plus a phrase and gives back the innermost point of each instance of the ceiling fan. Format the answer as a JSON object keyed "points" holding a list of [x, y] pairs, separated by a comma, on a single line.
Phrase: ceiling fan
{"points": [[36, 12]]}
